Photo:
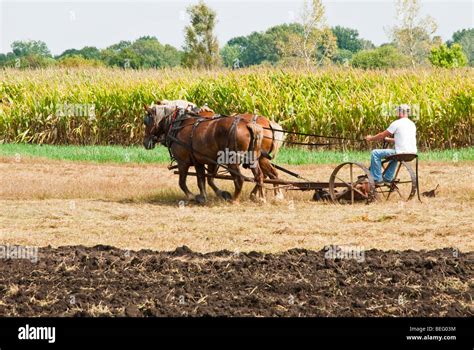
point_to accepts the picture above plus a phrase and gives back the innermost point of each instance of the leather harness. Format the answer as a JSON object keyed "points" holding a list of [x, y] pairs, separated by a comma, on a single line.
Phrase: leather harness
{"points": [[174, 125]]}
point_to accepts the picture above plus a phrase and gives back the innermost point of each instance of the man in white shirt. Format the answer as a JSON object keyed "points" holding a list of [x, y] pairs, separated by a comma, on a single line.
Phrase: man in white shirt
{"points": [[403, 133]]}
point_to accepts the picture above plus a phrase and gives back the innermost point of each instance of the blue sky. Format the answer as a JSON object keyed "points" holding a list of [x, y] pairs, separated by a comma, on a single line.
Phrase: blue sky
{"points": [[64, 25]]}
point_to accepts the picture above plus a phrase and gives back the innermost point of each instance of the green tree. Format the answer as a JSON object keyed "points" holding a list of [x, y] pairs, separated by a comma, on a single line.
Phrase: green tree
{"points": [[87, 52], [3, 59], [260, 47], [458, 35], [255, 48], [281, 35], [120, 55], [145, 52], [201, 47], [128, 58], [465, 38], [28, 54], [152, 54], [76, 61], [343, 56], [316, 44], [172, 57], [347, 39], [413, 35], [367, 44], [385, 56], [34, 61], [30, 47], [230, 54], [9, 60], [123, 44], [448, 57]]}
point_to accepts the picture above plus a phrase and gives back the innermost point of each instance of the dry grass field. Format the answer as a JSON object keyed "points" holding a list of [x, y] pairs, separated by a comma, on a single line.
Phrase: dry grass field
{"points": [[46, 202]]}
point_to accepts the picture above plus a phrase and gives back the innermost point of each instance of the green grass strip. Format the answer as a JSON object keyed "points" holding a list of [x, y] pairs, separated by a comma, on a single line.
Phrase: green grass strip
{"points": [[136, 154]]}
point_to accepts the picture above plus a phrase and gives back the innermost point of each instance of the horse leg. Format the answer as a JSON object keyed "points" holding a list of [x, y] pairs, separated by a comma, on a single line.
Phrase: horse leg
{"points": [[201, 181], [183, 174], [269, 170], [212, 170], [253, 194], [258, 175], [238, 180]]}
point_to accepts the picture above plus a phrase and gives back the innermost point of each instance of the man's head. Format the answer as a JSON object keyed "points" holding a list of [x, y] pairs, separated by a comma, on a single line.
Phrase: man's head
{"points": [[403, 111]]}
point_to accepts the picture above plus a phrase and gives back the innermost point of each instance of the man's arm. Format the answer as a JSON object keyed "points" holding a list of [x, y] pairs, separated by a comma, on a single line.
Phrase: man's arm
{"points": [[379, 136]]}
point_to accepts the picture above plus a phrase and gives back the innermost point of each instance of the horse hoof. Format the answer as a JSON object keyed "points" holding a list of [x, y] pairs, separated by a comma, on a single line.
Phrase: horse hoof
{"points": [[226, 196], [200, 199]]}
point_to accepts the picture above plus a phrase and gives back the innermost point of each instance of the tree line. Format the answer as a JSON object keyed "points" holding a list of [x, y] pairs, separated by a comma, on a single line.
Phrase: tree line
{"points": [[308, 42]]}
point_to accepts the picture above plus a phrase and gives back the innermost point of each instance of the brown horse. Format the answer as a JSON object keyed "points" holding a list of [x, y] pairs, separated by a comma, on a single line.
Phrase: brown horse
{"points": [[204, 141], [273, 138]]}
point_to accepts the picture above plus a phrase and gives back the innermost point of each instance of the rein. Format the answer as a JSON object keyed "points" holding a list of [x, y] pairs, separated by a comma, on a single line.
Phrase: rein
{"points": [[302, 143], [316, 135], [172, 130]]}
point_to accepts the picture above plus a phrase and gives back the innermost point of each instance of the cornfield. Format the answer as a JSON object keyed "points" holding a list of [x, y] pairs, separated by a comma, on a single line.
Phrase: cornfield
{"points": [[105, 106]]}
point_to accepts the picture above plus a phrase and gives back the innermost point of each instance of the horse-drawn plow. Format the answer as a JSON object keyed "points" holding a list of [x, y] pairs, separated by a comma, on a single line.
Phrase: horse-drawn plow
{"points": [[349, 182]]}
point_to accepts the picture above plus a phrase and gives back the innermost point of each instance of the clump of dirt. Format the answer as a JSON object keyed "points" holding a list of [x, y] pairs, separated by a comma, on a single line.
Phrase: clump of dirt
{"points": [[106, 281]]}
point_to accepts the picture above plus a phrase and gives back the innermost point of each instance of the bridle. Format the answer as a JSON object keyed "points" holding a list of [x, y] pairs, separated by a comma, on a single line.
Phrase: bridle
{"points": [[169, 119]]}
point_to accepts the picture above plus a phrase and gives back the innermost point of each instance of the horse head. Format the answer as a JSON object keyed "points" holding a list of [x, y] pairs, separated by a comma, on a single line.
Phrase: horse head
{"points": [[154, 124]]}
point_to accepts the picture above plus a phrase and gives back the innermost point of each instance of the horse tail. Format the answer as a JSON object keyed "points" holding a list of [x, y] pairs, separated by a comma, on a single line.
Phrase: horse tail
{"points": [[256, 138], [278, 137]]}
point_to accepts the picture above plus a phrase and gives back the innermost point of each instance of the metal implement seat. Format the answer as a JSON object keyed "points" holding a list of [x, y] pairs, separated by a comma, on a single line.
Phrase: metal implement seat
{"points": [[401, 157]]}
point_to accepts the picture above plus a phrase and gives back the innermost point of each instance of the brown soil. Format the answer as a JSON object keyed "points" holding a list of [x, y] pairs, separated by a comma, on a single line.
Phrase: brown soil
{"points": [[107, 281]]}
